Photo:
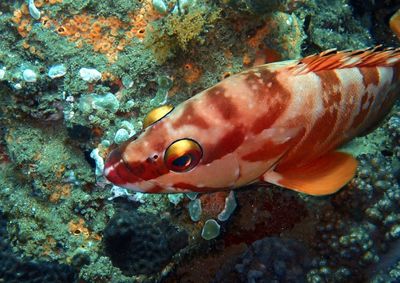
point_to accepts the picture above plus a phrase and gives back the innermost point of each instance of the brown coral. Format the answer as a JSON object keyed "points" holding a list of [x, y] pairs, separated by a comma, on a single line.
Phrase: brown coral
{"points": [[212, 204], [79, 228], [60, 191], [140, 20], [22, 19], [107, 35], [191, 73]]}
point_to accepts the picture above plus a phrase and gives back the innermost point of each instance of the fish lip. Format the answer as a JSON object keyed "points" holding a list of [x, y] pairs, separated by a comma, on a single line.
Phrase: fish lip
{"points": [[110, 172], [117, 171], [145, 187]]}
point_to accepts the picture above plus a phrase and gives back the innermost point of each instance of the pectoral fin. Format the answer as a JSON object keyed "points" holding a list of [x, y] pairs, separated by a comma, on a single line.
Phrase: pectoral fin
{"points": [[323, 176]]}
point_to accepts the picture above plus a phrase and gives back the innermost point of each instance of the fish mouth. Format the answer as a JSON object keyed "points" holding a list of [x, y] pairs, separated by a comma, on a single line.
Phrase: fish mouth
{"points": [[118, 173]]}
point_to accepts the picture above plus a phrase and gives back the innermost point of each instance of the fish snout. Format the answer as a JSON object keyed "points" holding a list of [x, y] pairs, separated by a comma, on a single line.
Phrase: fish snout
{"points": [[117, 171]]}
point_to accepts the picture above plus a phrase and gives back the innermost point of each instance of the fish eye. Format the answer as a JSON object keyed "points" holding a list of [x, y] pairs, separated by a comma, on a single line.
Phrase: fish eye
{"points": [[183, 155], [156, 115]]}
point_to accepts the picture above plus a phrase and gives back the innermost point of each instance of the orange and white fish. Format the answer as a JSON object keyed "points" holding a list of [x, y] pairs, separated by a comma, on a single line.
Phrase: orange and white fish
{"points": [[278, 123]]}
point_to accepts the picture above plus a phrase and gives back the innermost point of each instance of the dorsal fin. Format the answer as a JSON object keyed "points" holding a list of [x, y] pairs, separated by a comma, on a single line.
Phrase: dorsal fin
{"points": [[333, 59]]}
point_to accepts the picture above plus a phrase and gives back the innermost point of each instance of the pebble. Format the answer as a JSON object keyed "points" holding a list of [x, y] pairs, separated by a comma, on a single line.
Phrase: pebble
{"points": [[211, 230], [195, 209], [127, 82], [130, 103], [94, 154], [192, 196], [160, 6], [33, 11], [2, 73], [29, 76], [57, 71], [230, 206], [17, 86], [175, 198], [129, 127], [120, 136], [89, 75]]}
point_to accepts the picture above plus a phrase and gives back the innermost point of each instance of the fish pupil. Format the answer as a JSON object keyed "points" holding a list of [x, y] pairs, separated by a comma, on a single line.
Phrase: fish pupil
{"points": [[182, 161]]}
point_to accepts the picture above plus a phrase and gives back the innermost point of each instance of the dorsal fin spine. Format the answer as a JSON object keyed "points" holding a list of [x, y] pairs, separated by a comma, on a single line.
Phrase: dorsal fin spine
{"points": [[332, 59]]}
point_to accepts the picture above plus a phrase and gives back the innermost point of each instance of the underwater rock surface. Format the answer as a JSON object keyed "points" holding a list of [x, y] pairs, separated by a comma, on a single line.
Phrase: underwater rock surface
{"points": [[269, 260], [141, 243], [78, 76], [15, 268]]}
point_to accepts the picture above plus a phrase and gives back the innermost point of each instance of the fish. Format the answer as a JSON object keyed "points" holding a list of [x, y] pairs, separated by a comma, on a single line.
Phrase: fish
{"points": [[280, 123]]}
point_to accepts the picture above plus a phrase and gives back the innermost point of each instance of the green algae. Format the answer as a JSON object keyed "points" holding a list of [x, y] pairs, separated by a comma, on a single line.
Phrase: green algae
{"points": [[370, 144], [174, 32], [42, 152], [118, 8], [102, 270], [36, 225], [154, 204]]}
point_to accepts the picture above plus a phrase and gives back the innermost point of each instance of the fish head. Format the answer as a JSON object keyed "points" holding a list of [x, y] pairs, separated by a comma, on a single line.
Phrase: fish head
{"points": [[173, 155]]}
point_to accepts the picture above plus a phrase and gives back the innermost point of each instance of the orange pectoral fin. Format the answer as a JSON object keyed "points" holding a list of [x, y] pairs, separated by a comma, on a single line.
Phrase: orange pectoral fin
{"points": [[323, 176]]}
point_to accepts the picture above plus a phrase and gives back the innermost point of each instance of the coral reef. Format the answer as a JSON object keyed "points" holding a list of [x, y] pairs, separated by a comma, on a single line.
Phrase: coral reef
{"points": [[19, 269], [335, 27], [363, 221], [54, 167], [271, 259], [371, 14], [175, 31]]}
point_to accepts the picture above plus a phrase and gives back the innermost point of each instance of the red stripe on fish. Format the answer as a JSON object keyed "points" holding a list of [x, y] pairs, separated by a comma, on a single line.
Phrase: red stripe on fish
{"points": [[370, 76], [223, 105], [364, 108], [330, 87], [275, 104], [270, 150], [147, 170], [118, 172], [191, 117], [227, 144]]}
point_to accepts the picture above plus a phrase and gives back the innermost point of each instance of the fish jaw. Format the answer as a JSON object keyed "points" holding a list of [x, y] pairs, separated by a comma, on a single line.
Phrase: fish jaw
{"points": [[117, 172]]}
